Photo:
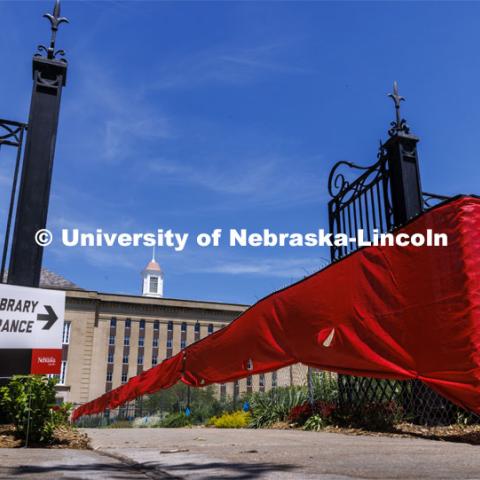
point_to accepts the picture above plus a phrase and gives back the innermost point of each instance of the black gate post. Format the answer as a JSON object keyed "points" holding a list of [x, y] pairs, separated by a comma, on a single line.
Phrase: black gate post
{"points": [[385, 195], [401, 153], [426, 406], [49, 77]]}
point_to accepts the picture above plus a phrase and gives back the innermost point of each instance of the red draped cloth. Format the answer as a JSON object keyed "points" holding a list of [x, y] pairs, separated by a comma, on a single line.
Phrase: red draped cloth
{"points": [[383, 312]]}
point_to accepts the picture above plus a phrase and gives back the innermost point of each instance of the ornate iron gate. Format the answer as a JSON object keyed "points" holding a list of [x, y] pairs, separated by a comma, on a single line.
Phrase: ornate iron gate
{"points": [[384, 196]]}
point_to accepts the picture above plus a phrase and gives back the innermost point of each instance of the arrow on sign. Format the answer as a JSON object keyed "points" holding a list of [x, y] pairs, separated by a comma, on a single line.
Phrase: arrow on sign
{"points": [[50, 317]]}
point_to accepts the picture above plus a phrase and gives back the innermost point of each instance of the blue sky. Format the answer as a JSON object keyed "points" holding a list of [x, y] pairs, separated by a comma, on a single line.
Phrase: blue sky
{"points": [[194, 116]]}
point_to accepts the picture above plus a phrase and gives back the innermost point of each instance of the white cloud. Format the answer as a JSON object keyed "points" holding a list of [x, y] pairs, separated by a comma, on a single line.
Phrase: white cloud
{"points": [[265, 180], [227, 65], [109, 122]]}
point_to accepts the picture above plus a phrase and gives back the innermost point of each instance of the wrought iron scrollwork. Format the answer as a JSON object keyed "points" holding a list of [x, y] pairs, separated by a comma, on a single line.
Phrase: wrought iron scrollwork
{"points": [[342, 189], [362, 203], [338, 183], [55, 21]]}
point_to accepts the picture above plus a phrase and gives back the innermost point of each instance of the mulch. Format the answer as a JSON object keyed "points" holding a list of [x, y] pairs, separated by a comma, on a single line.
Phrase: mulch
{"points": [[451, 433], [64, 437]]}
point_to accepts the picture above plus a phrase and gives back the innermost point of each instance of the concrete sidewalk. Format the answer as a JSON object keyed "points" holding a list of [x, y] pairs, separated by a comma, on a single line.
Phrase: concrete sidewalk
{"points": [[201, 454], [48, 464]]}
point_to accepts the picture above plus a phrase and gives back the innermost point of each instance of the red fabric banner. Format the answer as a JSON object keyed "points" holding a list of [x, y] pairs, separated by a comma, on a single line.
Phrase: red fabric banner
{"points": [[383, 312]]}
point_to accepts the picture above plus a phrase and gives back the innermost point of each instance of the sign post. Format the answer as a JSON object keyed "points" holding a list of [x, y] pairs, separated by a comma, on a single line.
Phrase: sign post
{"points": [[31, 330]]}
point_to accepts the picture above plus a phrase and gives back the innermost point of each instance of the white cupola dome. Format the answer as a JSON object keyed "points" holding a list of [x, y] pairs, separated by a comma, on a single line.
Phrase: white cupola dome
{"points": [[152, 276]]}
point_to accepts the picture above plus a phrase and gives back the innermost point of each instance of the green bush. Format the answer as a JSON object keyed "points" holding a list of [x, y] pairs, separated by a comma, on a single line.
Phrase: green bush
{"points": [[324, 386], [275, 405], [61, 414], [34, 395], [203, 402], [315, 423], [237, 419], [175, 420]]}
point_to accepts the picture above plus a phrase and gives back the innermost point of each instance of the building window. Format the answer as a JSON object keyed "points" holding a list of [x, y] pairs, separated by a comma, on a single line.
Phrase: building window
{"points": [[142, 324], [274, 379], [170, 326], [66, 333], [110, 357], [156, 326], [111, 340], [124, 377], [141, 341], [153, 284], [140, 360], [249, 381], [63, 373], [261, 382], [125, 359], [154, 360], [210, 328], [197, 328], [184, 327], [128, 323], [169, 343], [155, 342], [109, 376], [183, 344], [113, 322], [126, 341]]}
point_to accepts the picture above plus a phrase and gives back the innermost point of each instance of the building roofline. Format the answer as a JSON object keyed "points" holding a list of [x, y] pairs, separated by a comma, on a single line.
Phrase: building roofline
{"points": [[166, 302]]}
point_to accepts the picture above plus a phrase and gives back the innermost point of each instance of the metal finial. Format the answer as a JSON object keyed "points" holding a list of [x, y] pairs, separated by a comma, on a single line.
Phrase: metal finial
{"points": [[55, 21], [400, 125]]}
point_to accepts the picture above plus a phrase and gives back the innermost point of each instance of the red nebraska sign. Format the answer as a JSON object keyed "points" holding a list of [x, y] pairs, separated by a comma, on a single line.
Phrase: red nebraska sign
{"points": [[46, 361]]}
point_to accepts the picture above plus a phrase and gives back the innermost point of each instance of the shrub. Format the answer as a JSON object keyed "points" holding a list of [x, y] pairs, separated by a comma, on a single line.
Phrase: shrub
{"points": [[175, 420], [325, 410], [325, 386], [371, 415], [237, 419], [275, 405], [300, 413], [202, 402], [315, 423], [61, 414], [34, 396]]}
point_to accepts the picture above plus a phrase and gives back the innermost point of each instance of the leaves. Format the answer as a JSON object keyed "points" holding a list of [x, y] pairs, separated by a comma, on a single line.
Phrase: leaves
{"points": [[275, 405], [238, 419], [27, 402]]}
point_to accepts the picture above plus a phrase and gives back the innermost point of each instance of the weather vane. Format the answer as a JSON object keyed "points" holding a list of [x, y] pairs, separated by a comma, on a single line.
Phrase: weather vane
{"points": [[55, 21], [400, 125]]}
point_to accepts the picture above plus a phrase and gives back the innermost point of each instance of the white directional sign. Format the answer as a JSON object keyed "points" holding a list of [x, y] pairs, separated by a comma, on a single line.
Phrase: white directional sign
{"points": [[31, 318]]}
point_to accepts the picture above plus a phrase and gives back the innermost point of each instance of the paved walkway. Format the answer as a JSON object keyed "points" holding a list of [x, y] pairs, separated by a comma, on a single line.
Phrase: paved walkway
{"points": [[201, 454], [43, 464]]}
